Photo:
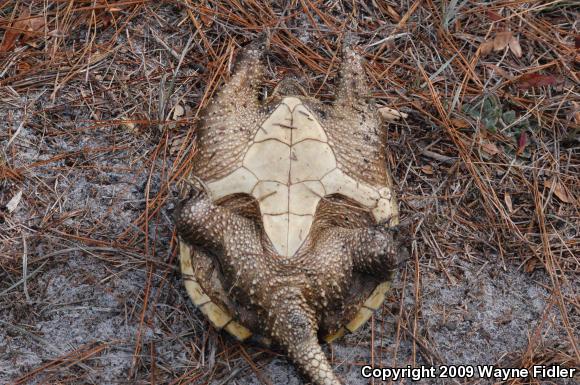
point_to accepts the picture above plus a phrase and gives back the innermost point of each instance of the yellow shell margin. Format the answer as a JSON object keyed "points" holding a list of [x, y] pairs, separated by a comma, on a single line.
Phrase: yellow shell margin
{"points": [[218, 317], [222, 319]]}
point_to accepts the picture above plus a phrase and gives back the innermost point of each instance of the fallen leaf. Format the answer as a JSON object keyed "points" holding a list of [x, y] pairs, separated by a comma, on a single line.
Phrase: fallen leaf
{"points": [[390, 115], [493, 16], [176, 144], [13, 203], [188, 111], [532, 264], [23, 67], [178, 111], [427, 169], [33, 25], [508, 202], [129, 126], [13, 32], [559, 190], [576, 111], [501, 40], [522, 142], [535, 80], [577, 41], [489, 147], [206, 20], [500, 71], [24, 26], [394, 14], [515, 47], [460, 123], [57, 33], [486, 47]]}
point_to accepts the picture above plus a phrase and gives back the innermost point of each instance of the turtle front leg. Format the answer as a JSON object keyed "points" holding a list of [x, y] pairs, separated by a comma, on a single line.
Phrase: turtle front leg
{"points": [[353, 86]]}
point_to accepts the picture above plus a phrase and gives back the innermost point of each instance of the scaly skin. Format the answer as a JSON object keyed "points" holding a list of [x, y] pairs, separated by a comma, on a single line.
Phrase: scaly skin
{"points": [[290, 292]]}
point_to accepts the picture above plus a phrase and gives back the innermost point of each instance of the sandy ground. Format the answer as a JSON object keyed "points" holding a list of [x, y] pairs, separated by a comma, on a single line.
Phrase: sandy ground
{"points": [[90, 292]]}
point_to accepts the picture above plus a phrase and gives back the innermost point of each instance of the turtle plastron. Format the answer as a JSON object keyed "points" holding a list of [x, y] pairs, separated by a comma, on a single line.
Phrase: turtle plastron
{"points": [[294, 221], [289, 168]]}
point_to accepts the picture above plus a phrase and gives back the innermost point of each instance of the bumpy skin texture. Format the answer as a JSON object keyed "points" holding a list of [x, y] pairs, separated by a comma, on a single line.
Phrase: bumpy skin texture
{"points": [[290, 295], [228, 123], [355, 126]]}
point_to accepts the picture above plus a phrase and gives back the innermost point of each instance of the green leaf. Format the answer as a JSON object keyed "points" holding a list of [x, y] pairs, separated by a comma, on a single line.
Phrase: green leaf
{"points": [[489, 123], [509, 117]]}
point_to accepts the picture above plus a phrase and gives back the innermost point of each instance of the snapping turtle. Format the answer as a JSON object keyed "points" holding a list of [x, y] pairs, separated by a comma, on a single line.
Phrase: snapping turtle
{"points": [[287, 225]]}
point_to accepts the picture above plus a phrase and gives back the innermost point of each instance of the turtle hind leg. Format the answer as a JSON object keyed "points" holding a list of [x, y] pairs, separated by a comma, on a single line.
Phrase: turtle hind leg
{"points": [[216, 230], [379, 251]]}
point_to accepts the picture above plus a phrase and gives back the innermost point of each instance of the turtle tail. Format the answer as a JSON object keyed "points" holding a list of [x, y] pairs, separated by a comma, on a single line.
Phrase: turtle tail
{"points": [[293, 326], [308, 356]]}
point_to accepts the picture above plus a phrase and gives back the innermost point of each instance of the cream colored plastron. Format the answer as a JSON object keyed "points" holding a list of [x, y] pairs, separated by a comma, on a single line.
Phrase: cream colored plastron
{"points": [[289, 167]]}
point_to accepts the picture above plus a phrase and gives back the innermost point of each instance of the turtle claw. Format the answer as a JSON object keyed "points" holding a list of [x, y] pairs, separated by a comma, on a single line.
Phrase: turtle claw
{"points": [[257, 48], [378, 251]]}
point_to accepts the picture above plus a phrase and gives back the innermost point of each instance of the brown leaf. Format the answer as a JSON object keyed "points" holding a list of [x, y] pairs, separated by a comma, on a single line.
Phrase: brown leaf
{"points": [[486, 47], [577, 41], [206, 20], [532, 264], [56, 33], [391, 115], [23, 67], [501, 40], [13, 32], [460, 123], [500, 71], [177, 144], [33, 25], [489, 147], [129, 126], [535, 80], [508, 202], [576, 111], [522, 142], [493, 16], [178, 111], [515, 47], [559, 190], [394, 14], [24, 27], [427, 169], [9, 40]]}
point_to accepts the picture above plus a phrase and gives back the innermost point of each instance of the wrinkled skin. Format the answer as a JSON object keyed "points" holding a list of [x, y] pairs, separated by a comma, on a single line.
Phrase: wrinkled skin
{"points": [[290, 294]]}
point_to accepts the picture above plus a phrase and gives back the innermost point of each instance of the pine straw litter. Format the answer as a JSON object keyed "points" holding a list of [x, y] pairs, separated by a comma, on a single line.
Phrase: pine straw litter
{"points": [[98, 105]]}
